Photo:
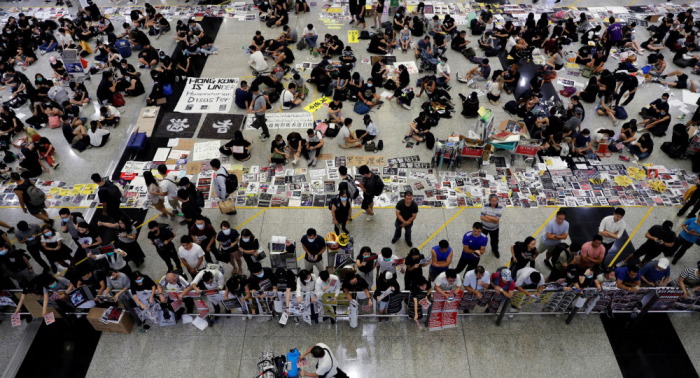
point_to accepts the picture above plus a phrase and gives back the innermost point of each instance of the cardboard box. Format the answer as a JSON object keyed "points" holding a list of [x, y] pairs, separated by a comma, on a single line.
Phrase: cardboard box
{"points": [[146, 125], [125, 325]]}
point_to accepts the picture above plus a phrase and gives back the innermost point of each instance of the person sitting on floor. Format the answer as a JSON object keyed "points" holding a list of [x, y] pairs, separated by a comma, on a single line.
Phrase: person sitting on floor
{"points": [[97, 134], [370, 132], [109, 115]]}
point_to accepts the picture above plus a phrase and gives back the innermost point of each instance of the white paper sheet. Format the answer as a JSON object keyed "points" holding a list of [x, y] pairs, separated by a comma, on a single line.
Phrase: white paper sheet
{"points": [[162, 154], [200, 323]]}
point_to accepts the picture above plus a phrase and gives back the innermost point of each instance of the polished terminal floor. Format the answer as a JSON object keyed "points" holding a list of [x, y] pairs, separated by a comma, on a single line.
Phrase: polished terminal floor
{"points": [[529, 346]]}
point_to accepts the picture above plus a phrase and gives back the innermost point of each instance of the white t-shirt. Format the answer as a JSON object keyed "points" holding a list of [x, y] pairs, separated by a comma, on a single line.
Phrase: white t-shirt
{"points": [[287, 96], [342, 134], [327, 365], [441, 281], [257, 61], [597, 136], [169, 186], [312, 32], [216, 283], [443, 69], [96, 137], [332, 286], [608, 224], [470, 280], [524, 277], [111, 110], [372, 129], [385, 266], [192, 256]]}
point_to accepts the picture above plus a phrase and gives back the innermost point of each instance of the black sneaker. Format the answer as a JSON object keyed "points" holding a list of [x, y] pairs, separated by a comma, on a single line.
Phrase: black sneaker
{"points": [[548, 264], [498, 255], [410, 243], [463, 97], [678, 214], [448, 87], [11, 230], [393, 241]]}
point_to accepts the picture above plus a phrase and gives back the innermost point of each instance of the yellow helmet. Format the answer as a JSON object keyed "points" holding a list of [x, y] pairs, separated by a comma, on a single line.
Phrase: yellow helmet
{"points": [[343, 239]]}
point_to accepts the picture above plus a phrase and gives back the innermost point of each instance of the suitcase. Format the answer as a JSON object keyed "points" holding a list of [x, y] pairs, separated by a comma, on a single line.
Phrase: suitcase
{"points": [[124, 48], [137, 142]]}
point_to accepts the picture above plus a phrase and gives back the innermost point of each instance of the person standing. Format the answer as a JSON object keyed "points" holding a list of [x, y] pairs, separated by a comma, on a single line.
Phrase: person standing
{"points": [[21, 191], [155, 195], [161, 236], [109, 196], [659, 239], [556, 231], [441, 258], [126, 239], [365, 265], [612, 227], [16, 264], [228, 244], [191, 255], [490, 220], [406, 212], [687, 237], [340, 211], [29, 234], [371, 186], [169, 186], [692, 199], [314, 247], [592, 253], [473, 246], [258, 109], [220, 182], [204, 234]]}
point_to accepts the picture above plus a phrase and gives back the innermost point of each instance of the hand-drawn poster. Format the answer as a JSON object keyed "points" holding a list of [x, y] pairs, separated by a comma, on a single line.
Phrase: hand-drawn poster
{"points": [[207, 95], [284, 121], [174, 125]]}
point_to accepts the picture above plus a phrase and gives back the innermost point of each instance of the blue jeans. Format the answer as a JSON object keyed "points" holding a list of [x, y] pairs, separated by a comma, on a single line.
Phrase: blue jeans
{"points": [[441, 81], [428, 58], [188, 52], [634, 150], [311, 41], [49, 46], [439, 50]]}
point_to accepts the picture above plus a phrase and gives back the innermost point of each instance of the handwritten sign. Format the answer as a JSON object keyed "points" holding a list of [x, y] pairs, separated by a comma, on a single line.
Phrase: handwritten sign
{"points": [[353, 36], [206, 150], [285, 121], [318, 104], [207, 95]]}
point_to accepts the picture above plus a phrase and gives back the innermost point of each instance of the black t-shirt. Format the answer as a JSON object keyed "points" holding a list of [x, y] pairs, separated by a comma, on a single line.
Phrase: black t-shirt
{"points": [[164, 233], [333, 106], [405, 211], [361, 284], [457, 41], [376, 68], [226, 241], [512, 75], [597, 59], [258, 39], [147, 284], [368, 92], [314, 248], [413, 260], [376, 43], [265, 283], [104, 91], [280, 146], [439, 39], [190, 209], [367, 268], [141, 38], [646, 143], [660, 105], [422, 123], [251, 245], [13, 260], [94, 280], [236, 284], [658, 232]]}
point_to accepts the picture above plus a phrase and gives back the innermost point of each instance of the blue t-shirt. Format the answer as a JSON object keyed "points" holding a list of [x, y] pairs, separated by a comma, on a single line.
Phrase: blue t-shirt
{"points": [[422, 45], [474, 243], [621, 274], [691, 225], [652, 274], [441, 257], [241, 97], [581, 140], [556, 229], [615, 32]]}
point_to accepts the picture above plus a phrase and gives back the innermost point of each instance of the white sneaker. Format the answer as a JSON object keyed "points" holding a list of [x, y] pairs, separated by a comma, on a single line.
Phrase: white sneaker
{"points": [[294, 162], [370, 218]]}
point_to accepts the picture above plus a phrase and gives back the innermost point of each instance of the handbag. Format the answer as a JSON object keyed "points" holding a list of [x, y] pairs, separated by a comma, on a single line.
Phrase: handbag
{"points": [[370, 146], [226, 206], [301, 45], [54, 122]]}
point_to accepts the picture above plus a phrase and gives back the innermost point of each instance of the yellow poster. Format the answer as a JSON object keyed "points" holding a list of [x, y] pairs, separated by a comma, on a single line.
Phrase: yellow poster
{"points": [[314, 106], [353, 36]]}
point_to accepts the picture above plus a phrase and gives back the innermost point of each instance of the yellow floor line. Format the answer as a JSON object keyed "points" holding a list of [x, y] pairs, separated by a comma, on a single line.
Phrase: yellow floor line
{"points": [[440, 229], [251, 218], [629, 239]]}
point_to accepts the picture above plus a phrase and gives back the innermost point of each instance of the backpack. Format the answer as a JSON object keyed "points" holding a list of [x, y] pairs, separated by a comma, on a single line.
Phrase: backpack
{"points": [[364, 34], [58, 94], [361, 108], [511, 107], [476, 27], [386, 24], [620, 112], [378, 186], [429, 140], [468, 52], [380, 145], [347, 184], [272, 96], [672, 150], [118, 100], [35, 196], [231, 183]]}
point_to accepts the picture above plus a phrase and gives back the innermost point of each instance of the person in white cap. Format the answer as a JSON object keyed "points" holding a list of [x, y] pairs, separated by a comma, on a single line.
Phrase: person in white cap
{"points": [[655, 274]]}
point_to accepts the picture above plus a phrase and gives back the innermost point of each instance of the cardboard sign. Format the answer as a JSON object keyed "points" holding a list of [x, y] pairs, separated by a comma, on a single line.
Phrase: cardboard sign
{"points": [[318, 104]]}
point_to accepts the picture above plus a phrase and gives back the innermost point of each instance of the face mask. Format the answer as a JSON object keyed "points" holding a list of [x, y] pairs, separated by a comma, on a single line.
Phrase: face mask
{"points": [[38, 79], [387, 260], [307, 281], [442, 63], [343, 198], [662, 100], [65, 220], [310, 240], [369, 85], [226, 231], [54, 285], [200, 226], [139, 281], [128, 78], [3, 252], [260, 275], [587, 276], [48, 234], [245, 240]]}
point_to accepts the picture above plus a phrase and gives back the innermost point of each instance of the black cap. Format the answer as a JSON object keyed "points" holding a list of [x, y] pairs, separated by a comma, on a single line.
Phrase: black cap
{"points": [[667, 226]]}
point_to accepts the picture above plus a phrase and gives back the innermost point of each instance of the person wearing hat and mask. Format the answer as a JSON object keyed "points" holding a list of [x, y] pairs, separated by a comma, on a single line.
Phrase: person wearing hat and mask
{"points": [[370, 131], [660, 238], [656, 274], [387, 281]]}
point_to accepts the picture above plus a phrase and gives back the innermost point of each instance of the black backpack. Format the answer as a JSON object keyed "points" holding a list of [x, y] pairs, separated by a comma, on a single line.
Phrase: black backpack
{"points": [[429, 140], [231, 183], [378, 186]]}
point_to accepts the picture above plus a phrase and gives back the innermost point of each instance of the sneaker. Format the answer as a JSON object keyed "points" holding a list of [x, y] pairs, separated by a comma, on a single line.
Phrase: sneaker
{"points": [[410, 243], [157, 36], [42, 52], [294, 162], [664, 76], [370, 218], [143, 66], [11, 230], [314, 162], [615, 123], [405, 139], [55, 166], [462, 79], [498, 255], [393, 241], [679, 214], [449, 87], [621, 264], [691, 216], [406, 106], [264, 137]]}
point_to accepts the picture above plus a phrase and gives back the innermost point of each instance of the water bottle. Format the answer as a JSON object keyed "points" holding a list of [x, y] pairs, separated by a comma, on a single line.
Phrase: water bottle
{"points": [[292, 359]]}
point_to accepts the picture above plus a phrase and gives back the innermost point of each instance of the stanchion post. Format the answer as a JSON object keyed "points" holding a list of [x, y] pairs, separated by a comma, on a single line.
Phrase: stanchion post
{"points": [[505, 305]]}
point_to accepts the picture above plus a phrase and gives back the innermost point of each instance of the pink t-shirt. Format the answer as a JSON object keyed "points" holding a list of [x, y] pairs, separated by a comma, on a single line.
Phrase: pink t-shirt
{"points": [[592, 253]]}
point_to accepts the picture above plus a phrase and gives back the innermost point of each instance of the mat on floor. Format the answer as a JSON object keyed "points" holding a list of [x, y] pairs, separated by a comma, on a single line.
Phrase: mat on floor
{"points": [[220, 126], [177, 125]]}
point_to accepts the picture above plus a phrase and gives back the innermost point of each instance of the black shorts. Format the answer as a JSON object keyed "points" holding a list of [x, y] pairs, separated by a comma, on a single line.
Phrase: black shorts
{"points": [[367, 201]]}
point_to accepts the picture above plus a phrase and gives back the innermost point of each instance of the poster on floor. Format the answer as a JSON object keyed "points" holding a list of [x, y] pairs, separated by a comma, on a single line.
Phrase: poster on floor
{"points": [[207, 95], [220, 126], [284, 121], [174, 125]]}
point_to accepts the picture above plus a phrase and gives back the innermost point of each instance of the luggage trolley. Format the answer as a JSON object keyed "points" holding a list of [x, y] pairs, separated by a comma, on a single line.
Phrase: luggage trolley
{"points": [[341, 254], [74, 66]]}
